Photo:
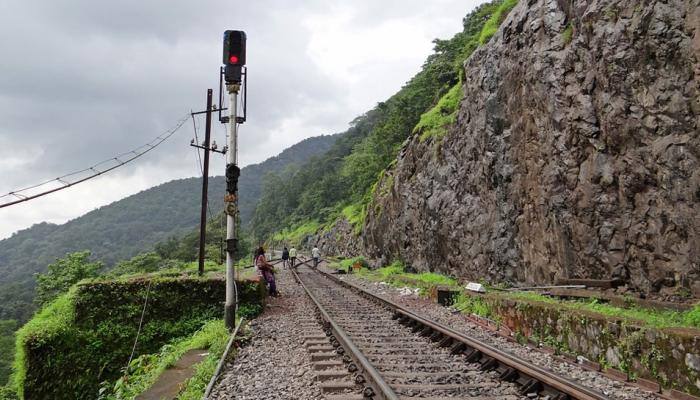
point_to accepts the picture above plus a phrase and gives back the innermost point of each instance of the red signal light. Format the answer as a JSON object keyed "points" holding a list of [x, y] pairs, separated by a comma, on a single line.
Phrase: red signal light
{"points": [[233, 59]]}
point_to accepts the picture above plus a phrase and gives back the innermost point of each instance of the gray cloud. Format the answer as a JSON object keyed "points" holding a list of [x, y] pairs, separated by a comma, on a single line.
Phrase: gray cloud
{"points": [[81, 80]]}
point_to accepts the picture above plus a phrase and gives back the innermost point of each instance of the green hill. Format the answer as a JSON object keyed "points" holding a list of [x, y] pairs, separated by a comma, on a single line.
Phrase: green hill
{"points": [[126, 227]]}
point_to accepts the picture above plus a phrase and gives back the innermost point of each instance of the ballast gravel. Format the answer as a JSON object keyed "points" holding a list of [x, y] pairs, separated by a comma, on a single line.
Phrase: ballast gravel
{"points": [[409, 299], [274, 364]]}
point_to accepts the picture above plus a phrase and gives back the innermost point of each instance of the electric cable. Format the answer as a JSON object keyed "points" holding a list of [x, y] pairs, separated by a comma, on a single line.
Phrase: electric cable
{"points": [[94, 171], [138, 332]]}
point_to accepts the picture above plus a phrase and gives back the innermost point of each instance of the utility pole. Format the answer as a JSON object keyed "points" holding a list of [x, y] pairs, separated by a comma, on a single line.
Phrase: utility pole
{"points": [[205, 187], [234, 61], [207, 146]]}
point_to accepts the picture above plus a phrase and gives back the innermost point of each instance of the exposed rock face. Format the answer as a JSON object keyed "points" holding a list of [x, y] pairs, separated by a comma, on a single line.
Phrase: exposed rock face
{"points": [[340, 240], [570, 157]]}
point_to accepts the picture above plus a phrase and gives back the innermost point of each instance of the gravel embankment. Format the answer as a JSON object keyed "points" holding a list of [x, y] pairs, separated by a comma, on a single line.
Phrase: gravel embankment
{"points": [[275, 364], [612, 388]]}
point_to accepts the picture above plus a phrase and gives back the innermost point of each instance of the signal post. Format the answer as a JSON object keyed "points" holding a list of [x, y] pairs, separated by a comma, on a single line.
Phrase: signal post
{"points": [[233, 72]]}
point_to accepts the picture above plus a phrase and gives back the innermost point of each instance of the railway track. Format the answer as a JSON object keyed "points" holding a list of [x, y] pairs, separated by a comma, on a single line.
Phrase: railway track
{"points": [[394, 353]]}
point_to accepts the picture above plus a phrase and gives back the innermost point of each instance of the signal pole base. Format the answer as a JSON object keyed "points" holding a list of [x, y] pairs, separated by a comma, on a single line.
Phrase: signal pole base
{"points": [[230, 316]]}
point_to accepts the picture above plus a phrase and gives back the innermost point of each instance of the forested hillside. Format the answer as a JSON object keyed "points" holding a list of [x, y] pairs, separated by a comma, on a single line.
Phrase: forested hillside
{"points": [[252, 176], [340, 182]]}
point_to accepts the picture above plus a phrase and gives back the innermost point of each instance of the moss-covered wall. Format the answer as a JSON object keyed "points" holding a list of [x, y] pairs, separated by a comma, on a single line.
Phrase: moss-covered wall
{"points": [[86, 336], [669, 355]]}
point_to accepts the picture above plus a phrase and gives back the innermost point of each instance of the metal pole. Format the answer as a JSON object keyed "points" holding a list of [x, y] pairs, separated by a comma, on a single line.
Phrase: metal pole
{"points": [[205, 186], [231, 207]]}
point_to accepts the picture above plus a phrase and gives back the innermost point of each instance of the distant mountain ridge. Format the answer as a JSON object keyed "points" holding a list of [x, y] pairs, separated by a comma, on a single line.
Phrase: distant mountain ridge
{"points": [[131, 225]]}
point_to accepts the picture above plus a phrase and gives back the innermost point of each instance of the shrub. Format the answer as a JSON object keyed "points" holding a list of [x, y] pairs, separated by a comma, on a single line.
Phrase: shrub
{"points": [[495, 20], [355, 215], [434, 123], [63, 274], [567, 34], [85, 336]]}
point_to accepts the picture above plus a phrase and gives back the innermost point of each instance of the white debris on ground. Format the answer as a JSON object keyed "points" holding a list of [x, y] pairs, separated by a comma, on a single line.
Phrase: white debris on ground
{"points": [[403, 291]]}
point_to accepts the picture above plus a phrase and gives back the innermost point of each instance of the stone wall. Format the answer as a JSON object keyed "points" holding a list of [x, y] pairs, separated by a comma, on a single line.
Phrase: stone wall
{"points": [[670, 356], [575, 154]]}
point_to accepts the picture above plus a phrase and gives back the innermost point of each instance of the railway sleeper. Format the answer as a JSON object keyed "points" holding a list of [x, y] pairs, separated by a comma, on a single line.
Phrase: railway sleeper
{"points": [[509, 375], [426, 331], [474, 356], [436, 336], [445, 342], [531, 386], [488, 364], [458, 348]]}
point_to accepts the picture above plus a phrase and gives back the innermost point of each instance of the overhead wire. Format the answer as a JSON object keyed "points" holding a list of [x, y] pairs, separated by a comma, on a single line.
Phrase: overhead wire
{"points": [[94, 171]]}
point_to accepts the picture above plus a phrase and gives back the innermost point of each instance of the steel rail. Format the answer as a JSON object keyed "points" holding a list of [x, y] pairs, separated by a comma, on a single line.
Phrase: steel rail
{"points": [[222, 360], [527, 373], [380, 388]]}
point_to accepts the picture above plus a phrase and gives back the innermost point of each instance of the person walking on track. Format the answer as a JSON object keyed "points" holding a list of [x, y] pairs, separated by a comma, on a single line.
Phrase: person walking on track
{"points": [[285, 257], [293, 255], [316, 254]]}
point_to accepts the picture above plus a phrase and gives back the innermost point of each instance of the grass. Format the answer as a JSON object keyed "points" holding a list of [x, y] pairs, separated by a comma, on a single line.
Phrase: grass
{"points": [[144, 371], [469, 304], [567, 34], [495, 20], [394, 275], [355, 215], [435, 121], [649, 317]]}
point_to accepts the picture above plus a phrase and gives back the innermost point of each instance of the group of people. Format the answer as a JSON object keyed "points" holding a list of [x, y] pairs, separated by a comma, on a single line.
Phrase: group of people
{"points": [[289, 258]]}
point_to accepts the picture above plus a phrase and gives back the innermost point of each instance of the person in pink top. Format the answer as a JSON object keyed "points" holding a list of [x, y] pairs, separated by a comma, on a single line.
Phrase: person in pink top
{"points": [[266, 271]]}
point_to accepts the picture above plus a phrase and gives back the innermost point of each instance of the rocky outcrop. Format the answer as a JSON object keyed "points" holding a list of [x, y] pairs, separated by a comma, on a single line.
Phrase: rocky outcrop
{"points": [[340, 240], [575, 154]]}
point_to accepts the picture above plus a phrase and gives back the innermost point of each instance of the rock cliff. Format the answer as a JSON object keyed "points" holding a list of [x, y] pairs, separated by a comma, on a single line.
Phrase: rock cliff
{"points": [[575, 154]]}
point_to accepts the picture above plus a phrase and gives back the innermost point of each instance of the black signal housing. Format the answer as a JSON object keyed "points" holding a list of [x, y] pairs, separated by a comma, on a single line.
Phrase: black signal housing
{"points": [[234, 48]]}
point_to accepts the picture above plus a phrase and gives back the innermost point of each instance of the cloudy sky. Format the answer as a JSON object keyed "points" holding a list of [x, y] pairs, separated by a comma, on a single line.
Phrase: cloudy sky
{"points": [[82, 81]]}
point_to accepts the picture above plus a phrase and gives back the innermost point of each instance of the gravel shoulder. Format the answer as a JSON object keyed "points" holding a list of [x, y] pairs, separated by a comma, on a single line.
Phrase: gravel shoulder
{"points": [[407, 298], [274, 364]]}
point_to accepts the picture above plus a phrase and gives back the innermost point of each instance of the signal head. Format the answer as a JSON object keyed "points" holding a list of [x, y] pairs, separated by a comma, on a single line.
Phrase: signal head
{"points": [[234, 48]]}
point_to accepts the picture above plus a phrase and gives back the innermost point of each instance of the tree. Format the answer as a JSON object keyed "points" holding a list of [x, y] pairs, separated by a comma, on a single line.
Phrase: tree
{"points": [[63, 274], [7, 348], [140, 263]]}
